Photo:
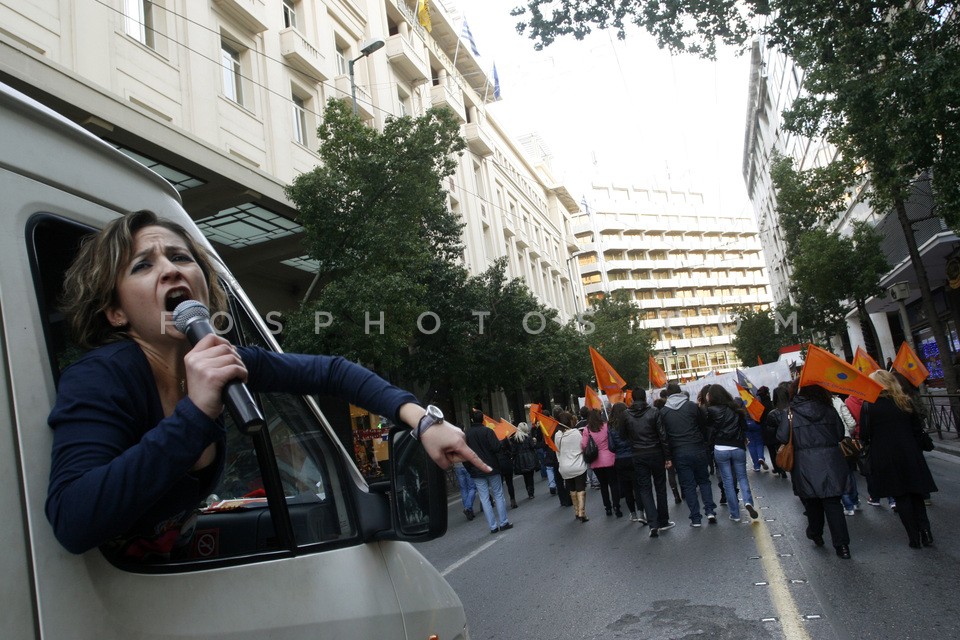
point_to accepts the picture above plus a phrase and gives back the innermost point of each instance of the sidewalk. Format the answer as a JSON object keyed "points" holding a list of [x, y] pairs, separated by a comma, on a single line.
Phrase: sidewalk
{"points": [[946, 449]]}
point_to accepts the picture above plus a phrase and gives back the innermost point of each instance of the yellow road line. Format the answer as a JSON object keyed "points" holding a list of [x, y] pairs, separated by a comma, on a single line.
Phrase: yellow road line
{"points": [[783, 602]]}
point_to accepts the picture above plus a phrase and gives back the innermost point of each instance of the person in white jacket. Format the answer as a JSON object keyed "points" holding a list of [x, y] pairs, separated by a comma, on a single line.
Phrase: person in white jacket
{"points": [[572, 467], [851, 497]]}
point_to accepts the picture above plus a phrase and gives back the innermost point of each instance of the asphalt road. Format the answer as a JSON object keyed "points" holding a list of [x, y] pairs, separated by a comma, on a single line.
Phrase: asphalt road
{"points": [[553, 577]]}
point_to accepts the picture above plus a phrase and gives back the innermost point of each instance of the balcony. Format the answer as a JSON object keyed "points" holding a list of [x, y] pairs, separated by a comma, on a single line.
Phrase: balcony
{"points": [[407, 60], [364, 99], [249, 14], [477, 139], [444, 95], [303, 56]]}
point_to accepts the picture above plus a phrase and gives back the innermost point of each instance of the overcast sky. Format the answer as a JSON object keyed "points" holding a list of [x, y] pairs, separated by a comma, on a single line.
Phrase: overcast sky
{"points": [[613, 110]]}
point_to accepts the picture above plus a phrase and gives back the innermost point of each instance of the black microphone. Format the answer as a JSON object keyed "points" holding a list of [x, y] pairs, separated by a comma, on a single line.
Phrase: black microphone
{"points": [[192, 319]]}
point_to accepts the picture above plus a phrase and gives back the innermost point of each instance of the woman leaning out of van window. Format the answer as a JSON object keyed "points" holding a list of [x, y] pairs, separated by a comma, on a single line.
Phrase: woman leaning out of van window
{"points": [[138, 436]]}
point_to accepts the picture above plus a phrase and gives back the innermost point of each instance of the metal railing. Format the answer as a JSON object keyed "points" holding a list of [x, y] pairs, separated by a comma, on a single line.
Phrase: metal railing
{"points": [[942, 412]]}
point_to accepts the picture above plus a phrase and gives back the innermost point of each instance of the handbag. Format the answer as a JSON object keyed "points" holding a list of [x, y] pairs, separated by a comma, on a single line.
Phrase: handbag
{"points": [[850, 448], [785, 452], [591, 451], [925, 441]]}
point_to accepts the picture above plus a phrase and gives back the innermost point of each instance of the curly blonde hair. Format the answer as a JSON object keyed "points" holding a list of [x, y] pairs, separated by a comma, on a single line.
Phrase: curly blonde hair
{"points": [[892, 389], [90, 283]]}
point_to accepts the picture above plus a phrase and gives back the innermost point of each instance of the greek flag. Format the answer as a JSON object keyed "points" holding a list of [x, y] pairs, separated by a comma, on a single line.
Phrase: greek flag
{"points": [[496, 83], [465, 33]]}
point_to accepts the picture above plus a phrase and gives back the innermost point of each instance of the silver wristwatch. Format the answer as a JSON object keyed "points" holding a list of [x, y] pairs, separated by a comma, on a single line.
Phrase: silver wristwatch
{"points": [[431, 417]]}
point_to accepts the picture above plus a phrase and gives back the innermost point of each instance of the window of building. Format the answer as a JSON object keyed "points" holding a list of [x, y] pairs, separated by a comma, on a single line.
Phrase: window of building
{"points": [[139, 21], [403, 103], [698, 360], [299, 120], [232, 76], [342, 62], [591, 279], [587, 259], [289, 14]]}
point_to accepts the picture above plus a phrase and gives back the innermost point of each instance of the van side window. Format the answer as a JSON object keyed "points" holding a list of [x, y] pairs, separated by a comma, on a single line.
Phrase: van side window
{"points": [[234, 521]]}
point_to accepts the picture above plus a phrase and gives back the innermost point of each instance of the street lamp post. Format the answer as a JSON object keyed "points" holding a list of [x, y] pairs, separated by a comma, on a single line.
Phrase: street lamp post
{"points": [[368, 47]]}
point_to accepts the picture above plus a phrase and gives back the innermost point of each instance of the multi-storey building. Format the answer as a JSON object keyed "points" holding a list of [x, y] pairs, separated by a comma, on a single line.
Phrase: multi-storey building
{"points": [[223, 97], [685, 265], [775, 82]]}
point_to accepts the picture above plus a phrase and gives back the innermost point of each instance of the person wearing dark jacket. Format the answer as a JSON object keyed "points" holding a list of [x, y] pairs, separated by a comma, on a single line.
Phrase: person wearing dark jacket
{"points": [[820, 471], [727, 423], [623, 465], [485, 443], [891, 428], [505, 457], [771, 420], [685, 425], [651, 459]]}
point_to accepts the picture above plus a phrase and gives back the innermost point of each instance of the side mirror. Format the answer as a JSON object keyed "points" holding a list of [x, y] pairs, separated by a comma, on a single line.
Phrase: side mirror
{"points": [[418, 490]]}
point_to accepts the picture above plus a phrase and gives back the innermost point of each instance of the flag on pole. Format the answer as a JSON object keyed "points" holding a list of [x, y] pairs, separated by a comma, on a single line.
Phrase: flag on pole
{"points": [[468, 36], [535, 408], [754, 407], [591, 399], [504, 429], [496, 83], [608, 380], [830, 372], [744, 382], [628, 397], [658, 377], [423, 15], [489, 422], [910, 366], [547, 425], [863, 363]]}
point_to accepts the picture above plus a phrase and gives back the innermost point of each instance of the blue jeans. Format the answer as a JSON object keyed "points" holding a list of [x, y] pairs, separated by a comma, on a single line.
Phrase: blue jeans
{"points": [[551, 480], [852, 495], [542, 455], [755, 445], [485, 486], [691, 466], [733, 462], [468, 488]]}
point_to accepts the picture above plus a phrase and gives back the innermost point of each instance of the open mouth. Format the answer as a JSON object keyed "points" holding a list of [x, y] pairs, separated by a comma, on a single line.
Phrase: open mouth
{"points": [[174, 298]]}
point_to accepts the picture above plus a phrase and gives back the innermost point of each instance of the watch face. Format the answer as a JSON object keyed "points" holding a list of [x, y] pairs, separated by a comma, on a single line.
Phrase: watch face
{"points": [[435, 413]]}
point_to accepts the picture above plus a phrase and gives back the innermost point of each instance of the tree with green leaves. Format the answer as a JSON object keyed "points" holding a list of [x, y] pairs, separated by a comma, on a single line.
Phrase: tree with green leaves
{"points": [[759, 335], [376, 220], [880, 84]]}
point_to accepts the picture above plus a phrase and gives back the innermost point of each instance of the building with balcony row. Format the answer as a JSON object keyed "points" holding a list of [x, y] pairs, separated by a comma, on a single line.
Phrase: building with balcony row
{"points": [[683, 263], [223, 98], [775, 82]]}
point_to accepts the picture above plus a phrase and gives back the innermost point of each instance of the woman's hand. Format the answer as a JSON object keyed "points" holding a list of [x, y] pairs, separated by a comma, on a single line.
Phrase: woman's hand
{"points": [[210, 365]]}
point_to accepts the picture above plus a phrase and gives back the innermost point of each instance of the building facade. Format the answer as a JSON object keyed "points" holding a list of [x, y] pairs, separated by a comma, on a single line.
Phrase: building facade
{"points": [[775, 82], [684, 264], [223, 98]]}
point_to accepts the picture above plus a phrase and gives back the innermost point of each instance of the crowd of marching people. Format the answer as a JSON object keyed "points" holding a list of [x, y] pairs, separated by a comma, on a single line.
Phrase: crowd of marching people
{"points": [[630, 453]]}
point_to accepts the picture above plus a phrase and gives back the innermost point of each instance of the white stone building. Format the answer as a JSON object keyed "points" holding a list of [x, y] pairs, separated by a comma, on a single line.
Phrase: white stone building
{"points": [[223, 97], [685, 264]]}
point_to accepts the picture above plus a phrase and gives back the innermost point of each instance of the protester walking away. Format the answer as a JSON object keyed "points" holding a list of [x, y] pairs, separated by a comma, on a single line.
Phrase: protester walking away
{"points": [[672, 471], [602, 466], [553, 465], [819, 472], [855, 405], [484, 441], [592, 479], [468, 489], [623, 463], [685, 426], [770, 420], [505, 458], [850, 498], [894, 436], [651, 458], [573, 469], [754, 441], [727, 422], [525, 460]]}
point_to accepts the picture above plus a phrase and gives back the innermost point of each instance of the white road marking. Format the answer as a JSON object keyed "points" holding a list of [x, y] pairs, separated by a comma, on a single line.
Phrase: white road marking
{"points": [[473, 554]]}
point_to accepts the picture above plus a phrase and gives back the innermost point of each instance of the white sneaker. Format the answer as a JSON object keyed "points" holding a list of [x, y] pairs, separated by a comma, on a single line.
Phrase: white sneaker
{"points": [[848, 512], [670, 525], [753, 512]]}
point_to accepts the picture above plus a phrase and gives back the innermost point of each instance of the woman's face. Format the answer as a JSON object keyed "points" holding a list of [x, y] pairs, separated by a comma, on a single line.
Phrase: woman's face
{"points": [[160, 273]]}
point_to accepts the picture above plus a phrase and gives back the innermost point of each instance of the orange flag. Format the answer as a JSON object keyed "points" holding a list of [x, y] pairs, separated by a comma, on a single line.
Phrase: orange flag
{"points": [[547, 425], [863, 363], [504, 429], [910, 366], [591, 398], [489, 422], [830, 372], [608, 380], [754, 407], [658, 377], [628, 397], [535, 408], [759, 361]]}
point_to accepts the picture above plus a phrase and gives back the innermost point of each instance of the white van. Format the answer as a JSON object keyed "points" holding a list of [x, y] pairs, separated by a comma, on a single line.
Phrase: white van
{"points": [[294, 544]]}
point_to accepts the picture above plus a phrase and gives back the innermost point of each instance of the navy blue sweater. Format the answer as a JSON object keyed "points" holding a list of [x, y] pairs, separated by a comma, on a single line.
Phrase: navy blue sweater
{"points": [[121, 472]]}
